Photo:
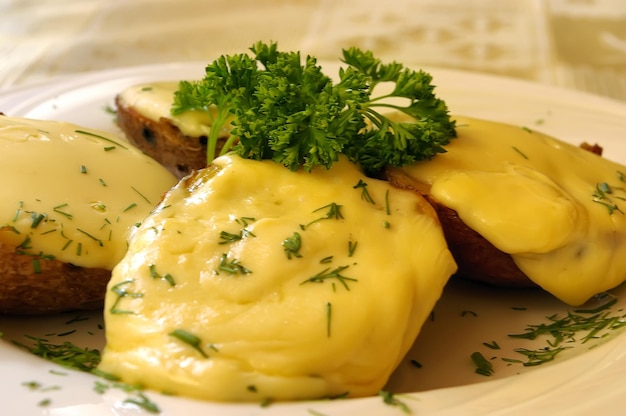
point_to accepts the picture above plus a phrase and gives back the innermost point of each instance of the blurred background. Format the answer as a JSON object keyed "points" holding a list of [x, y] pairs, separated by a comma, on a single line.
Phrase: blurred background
{"points": [[579, 44]]}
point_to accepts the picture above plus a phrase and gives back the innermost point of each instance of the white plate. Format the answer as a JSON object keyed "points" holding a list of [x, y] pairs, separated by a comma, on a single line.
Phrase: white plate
{"points": [[584, 378]]}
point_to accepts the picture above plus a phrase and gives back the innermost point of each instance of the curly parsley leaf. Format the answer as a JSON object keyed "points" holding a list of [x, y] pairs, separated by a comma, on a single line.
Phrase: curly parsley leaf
{"points": [[278, 106], [398, 143]]}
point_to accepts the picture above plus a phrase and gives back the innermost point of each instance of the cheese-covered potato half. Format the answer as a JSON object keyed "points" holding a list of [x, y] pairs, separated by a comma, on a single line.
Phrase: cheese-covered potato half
{"points": [[178, 142], [557, 209], [253, 282], [153, 100], [68, 196]]}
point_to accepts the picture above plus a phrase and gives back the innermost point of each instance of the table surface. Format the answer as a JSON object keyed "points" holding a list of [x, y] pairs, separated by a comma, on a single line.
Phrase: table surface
{"points": [[579, 44]]}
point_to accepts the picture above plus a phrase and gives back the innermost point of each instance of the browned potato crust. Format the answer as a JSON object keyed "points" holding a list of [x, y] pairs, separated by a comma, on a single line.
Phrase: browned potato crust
{"points": [[476, 257], [162, 141], [34, 286]]}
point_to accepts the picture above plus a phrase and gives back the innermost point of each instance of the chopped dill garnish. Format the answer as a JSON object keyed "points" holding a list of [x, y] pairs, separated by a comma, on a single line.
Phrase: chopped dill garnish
{"points": [[493, 345], [539, 356], [387, 207], [365, 195], [189, 339], [36, 266], [65, 354], [483, 367], [604, 195], [579, 325], [352, 247], [565, 328], [333, 274], [143, 402], [145, 198], [329, 311], [231, 267], [120, 290], [327, 259], [416, 364], [245, 220], [334, 212], [130, 206], [37, 218], [522, 154], [58, 210], [156, 275], [227, 237], [106, 139], [390, 398], [96, 239]]}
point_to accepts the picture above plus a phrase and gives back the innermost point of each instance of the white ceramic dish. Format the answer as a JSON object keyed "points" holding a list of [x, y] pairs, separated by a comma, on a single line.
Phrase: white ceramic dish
{"points": [[438, 370]]}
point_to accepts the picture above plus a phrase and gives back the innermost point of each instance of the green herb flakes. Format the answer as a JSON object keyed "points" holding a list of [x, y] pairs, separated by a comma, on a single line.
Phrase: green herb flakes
{"points": [[292, 245], [483, 367], [189, 339]]}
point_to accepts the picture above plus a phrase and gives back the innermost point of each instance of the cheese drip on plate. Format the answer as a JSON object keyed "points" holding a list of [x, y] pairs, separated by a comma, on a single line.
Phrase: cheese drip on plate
{"points": [[72, 193], [557, 209], [253, 282]]}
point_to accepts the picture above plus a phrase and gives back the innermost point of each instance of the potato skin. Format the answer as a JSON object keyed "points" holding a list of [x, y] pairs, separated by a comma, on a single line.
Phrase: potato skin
{"points": [[477, 258], [34, 286], [162, 141]]}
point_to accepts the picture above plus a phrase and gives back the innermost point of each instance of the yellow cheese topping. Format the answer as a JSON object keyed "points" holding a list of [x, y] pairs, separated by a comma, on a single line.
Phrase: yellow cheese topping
{"points": [[556, 208], [154, 101], [71, 193], [252, 282]]}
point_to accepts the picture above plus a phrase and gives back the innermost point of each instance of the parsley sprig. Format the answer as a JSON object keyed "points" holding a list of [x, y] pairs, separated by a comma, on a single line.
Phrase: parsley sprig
{"points": [[278, 106]]}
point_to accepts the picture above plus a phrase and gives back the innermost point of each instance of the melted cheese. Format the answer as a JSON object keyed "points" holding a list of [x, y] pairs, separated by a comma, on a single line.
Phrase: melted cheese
{"points": [[557, 209], [72, 193], [336, 317], [154, 101]]}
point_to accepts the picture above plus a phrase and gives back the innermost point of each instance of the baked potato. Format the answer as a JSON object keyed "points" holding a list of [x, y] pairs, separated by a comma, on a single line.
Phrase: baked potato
{"points": [[476, 257], [34, 285], [177, 142], [68, 198], [162, 140], [520, 208]]}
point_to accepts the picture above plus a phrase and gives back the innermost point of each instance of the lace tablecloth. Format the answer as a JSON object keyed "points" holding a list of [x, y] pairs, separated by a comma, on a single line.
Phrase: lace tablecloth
{"points": [[578, 44]]}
